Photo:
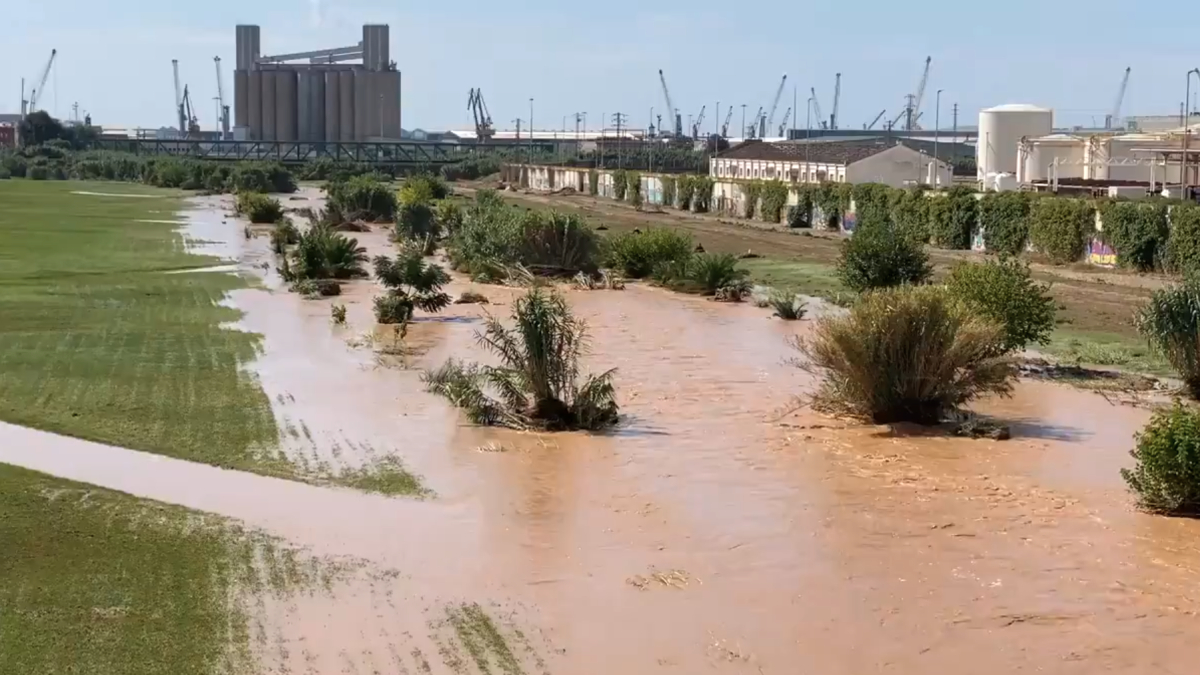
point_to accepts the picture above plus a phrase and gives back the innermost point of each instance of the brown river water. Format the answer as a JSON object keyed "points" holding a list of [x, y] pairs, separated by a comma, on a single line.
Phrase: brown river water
{"points": [[717, 529]]}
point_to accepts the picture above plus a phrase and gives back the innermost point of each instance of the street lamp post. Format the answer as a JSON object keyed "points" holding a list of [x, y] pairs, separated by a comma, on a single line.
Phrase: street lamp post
{"points": [[743, 134], [1187, 132], [531, 131], [937, 118], [807, 139]]}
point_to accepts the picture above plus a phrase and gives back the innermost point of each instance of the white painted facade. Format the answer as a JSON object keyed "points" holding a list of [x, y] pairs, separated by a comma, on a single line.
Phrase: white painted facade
{"points": [[897, 166]]}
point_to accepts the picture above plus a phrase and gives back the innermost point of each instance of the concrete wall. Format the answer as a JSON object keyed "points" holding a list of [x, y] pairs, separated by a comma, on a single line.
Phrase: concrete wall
{"points": [[897, 167]]}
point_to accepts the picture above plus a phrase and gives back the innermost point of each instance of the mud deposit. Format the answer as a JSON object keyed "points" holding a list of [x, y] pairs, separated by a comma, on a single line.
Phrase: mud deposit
{"points": [[715, 530]]}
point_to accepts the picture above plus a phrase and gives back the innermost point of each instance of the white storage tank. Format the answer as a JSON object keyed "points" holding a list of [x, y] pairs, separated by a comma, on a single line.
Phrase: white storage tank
{"points": [[1000, 132], [1068, 150]]}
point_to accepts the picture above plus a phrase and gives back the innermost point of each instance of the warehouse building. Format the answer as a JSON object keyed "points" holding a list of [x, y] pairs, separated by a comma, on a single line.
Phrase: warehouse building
{"points": [[342, 94], [889, 162]]}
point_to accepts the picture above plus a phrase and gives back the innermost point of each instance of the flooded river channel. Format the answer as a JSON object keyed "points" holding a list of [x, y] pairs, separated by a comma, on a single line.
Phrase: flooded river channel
{"points": [[717, 529]]}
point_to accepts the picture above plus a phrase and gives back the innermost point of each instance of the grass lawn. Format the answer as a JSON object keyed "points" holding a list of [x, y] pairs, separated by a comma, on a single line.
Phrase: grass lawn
{"points": [[98, 582], [1106, 349], [793, 276], [96, 342]]}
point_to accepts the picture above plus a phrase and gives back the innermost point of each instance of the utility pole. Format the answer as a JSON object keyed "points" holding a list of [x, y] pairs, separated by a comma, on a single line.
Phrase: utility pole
{"points": [[937, 113], [619, 119], [954, 152], [531, 130], [795, 110], [743, 122], [808, 137]]}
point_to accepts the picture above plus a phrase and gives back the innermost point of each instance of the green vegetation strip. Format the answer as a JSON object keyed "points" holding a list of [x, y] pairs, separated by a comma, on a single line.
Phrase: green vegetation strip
{"points": [[98, 582], [96, 342]]}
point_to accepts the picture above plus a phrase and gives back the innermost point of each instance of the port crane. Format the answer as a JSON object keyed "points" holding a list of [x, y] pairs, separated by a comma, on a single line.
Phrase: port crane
{"points": [[837, 97], [483, 119], [817, 108], [671, 110], [222, 108], [783, 125], [36, 94], [752, 131], [699, 121], [1113, 119], [769, 121], [912, 111], [876, 120], [725, 126]]}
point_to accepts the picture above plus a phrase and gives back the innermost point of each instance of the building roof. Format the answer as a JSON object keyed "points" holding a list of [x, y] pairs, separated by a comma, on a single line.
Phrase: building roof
{"points": [[1016, 107], [837, 152]]}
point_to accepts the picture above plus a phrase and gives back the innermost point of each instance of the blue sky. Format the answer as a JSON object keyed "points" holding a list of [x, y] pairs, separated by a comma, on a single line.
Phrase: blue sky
{"points": [[600, 57]]}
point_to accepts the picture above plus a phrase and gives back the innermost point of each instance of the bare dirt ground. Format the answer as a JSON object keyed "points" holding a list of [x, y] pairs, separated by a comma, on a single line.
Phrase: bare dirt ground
{"points": [[715, 530], [1090, 299]]}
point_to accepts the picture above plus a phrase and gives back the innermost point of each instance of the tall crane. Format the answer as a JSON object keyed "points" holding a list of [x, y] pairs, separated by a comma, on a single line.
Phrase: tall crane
{"points": [[670, 106], [753, 131], [783, 125], [876, 120], [1114, 117], [817, 108], [837, 97], [725, 126], [913, 109], [189, 114], [36, 94], [179, 111], [699, 121], [770, 120], [222, 108], [483, 119]]}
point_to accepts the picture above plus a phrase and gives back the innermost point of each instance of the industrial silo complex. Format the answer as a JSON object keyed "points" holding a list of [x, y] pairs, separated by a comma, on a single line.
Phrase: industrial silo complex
{"points": [[342, 94]]}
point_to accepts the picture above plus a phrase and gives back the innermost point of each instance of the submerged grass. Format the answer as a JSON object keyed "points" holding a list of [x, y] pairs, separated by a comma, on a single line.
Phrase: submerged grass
{"points": [[483, 641], [96, 343], [94, 581], [386, 476]]}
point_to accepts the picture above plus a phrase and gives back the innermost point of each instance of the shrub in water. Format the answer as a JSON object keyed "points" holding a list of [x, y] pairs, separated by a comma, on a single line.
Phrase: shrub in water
{"points": [[1166, 476], [909, 354], [259, 208], [1170, 322], [363, 198], [423, 187], [706, 274], [537, 384], [413, 281], [322, 253], [787, 306], [338, 314], [636, 254], [1004, 291], [557, 244], [879, 257]]}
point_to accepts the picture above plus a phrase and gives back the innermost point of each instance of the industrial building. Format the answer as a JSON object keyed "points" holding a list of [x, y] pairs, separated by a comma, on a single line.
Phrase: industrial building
{"points": [[862, 161], [1018, 148], [317, 96]]}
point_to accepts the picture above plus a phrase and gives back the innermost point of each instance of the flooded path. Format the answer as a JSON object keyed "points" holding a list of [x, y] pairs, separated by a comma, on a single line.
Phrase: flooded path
{"points": [[715, 530]]}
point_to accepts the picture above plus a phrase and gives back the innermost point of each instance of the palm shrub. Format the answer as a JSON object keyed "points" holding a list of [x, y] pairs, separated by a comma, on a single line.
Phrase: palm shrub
{"points": [[537, 384], [1004, 291], [909, 354], [1136, 231], [557, 244], [1170, 322], [787, 306], [259, 208], [416, 222], [705, 274], [1166, 473], [636, 254], [362, 198], [1059, 227], [412, 284], [878, 257], [323, 253]]}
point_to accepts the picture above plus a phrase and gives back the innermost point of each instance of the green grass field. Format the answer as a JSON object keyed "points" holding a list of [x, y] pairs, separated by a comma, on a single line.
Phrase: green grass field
{"points": [[98, 582], [97, 342]]}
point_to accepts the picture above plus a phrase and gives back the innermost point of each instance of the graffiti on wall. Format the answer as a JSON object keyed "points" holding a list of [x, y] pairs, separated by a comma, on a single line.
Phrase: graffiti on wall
{"points": [[849, 221], [977, 243], [1100, 253]]}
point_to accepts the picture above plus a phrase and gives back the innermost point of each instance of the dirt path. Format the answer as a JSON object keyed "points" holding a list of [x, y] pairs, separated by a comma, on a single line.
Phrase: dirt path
{"points": [[1090, 299], [710, 532]]}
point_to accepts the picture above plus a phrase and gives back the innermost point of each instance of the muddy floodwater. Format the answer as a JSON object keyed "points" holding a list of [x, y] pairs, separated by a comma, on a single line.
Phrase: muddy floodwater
{"points": [[718, 529]]}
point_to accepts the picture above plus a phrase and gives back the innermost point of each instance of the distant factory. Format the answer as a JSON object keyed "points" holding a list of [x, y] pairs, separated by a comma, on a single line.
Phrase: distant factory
{"points": [[348, 94]]}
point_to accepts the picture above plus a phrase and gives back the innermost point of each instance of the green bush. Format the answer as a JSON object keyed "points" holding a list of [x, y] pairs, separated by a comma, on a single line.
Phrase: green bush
{"points": [[593, 182], [38, 172], [774, 199], [5, 174], [285, 234], [879, 257], [423, 187], [1166, 473], [703, 273], [872, 205], [263, 177], [1059, 227], [702, 196], [495, 235], [686, 187], [1170, 323], [412, 281], [16, 165], [910, 213], [832, 199], [322, 253], [953, 218], [1003, 291], [449, 215], [751, 193], [668, 191], [910, 354], [1183, 243], [787, 306], [259, 208], [637, 254], [362, 198], [1136, 231], [801, 214], [634, 188], [620, 184], [1004, 217]]}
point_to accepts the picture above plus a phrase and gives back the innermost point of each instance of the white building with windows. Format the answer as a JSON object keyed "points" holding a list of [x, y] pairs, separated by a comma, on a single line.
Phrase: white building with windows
{"points": [[845, 161]]}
